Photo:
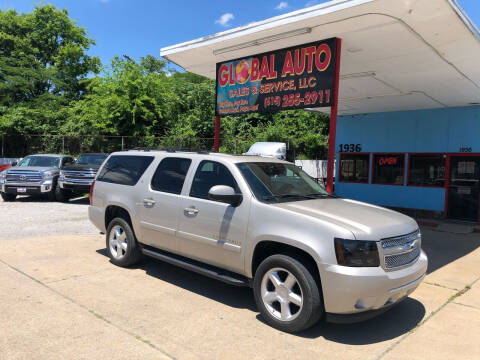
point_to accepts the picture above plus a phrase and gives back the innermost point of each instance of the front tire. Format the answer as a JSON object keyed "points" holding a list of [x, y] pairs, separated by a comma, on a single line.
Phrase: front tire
{"points": [[287, 294], [122, 247], [8, 197]]}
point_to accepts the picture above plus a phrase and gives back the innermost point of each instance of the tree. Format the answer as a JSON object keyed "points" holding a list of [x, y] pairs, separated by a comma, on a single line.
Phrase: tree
{"points": [[153, 65], [43, 68], [43, 52]]}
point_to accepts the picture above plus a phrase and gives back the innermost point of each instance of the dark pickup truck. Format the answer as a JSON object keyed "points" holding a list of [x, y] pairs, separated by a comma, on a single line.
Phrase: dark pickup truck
{"points": [[76, 178]]}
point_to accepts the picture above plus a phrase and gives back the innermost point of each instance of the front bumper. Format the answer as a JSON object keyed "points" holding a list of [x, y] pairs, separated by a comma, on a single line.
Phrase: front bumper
{"points": [[30, 188], [350, 290], [78, 185]]}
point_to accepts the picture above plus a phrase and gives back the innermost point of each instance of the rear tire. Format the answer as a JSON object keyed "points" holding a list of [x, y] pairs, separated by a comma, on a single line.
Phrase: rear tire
{"points": [[8, 197], [62, 195], [287, 294], [122, 246]]}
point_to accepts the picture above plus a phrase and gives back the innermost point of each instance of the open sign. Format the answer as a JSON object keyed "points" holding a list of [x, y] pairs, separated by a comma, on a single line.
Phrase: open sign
{"points": [[391, 160]]}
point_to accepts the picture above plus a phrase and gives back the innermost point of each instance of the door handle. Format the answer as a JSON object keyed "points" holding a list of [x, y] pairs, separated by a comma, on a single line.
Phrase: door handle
{"points": [[148, 202], [190, 210]]}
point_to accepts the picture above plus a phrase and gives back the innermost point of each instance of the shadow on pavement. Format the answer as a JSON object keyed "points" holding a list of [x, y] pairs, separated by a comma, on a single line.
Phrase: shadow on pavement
{"points": [[443, 248], [395, 322]]}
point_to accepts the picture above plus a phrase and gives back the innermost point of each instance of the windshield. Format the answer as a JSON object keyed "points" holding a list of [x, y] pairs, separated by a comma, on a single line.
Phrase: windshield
{"points": [[279, 182], [91, 159], [41, 161]]}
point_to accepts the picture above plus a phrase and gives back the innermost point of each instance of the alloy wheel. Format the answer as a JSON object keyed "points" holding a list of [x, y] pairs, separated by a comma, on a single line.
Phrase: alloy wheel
{"points": [[118, 242], [281, 294]]}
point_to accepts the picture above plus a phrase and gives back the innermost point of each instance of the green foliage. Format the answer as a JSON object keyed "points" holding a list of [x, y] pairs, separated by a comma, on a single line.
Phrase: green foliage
{"points": [[49, 85], [42, 52]]}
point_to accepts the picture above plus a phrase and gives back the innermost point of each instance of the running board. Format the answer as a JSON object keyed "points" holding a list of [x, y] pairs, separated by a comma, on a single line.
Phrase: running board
{"points": [[198, 267]]}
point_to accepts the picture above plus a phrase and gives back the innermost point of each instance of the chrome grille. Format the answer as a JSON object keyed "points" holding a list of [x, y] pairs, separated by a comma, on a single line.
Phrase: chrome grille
{"points": [[400, 240], [394, 261], [401, 251], [23, 176], [79, 174]]}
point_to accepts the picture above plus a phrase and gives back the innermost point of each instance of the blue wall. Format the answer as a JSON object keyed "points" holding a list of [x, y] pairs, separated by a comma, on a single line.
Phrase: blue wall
{"points": [[422, 131]]}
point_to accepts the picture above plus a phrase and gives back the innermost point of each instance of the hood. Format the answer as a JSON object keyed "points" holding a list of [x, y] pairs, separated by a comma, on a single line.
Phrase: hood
{"points": [[365, 221], [33, 168], [81, 167]]}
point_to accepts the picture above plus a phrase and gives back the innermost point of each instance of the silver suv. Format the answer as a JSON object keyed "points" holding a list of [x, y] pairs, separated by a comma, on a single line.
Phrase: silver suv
{"points": [[259, 222]]}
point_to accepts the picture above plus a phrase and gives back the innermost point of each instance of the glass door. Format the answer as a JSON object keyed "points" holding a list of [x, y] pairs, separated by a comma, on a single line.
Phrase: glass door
{"points": [[464, 188]]}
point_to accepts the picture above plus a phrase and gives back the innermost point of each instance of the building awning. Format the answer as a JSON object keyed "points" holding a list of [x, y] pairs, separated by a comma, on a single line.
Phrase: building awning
{"points": [[396, 55]]}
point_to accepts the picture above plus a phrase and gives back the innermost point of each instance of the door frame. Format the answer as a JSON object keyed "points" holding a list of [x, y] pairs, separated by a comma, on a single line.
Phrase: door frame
{"points": [[447, 178]]}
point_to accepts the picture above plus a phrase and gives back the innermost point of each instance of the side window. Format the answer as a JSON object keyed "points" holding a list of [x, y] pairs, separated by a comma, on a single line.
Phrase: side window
{"points": [[208, 174], [170, 175], [388, 169], [67, 161], [124, 169], [354, 167], [426, 170]]}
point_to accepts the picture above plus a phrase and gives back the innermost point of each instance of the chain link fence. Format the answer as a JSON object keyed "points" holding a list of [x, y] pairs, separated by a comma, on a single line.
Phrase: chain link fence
{"points": [[21, 145]]}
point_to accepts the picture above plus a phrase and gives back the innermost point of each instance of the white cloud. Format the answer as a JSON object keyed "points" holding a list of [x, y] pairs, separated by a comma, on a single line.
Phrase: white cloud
{"points": [[311, 3], [225, 19], [282, 5]]}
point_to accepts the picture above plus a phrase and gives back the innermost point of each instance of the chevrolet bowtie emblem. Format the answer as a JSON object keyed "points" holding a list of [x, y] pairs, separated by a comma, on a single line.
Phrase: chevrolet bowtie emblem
{"points": [[409, 245]]}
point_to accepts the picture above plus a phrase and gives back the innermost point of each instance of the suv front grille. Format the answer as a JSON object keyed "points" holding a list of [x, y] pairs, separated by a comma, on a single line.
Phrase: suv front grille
{"points": [[394, 261], [401, 251], [23, 176], [79, 174]]}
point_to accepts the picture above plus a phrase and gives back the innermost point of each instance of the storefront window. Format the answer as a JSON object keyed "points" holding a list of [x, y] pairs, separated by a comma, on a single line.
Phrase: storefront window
{"points": [[354, 167], [426, 170], [388, 169]]}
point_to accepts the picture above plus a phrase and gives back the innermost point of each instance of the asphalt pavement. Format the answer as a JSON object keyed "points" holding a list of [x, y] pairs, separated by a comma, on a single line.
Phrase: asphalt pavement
{"points": [[63, 299]]}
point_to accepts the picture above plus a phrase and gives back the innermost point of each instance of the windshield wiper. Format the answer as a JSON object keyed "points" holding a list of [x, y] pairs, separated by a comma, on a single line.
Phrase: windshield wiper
{"points": [[288, 196], [319, 195]]}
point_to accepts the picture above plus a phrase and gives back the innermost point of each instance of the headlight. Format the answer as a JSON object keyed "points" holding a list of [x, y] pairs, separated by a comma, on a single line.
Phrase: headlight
{"points": [[61, 173], [3, 175], [48, 175], [357, 253]]}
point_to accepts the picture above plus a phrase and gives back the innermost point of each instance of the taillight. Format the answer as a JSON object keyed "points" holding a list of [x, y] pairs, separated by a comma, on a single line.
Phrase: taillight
{"points": [[91, 191]]}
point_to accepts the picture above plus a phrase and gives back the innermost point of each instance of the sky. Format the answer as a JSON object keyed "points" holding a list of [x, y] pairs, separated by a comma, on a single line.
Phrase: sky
{"points": [[141, 27]]}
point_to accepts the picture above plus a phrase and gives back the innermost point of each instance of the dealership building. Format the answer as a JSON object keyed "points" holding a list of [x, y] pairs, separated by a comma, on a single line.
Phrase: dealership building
{"points": [[408, 128]]}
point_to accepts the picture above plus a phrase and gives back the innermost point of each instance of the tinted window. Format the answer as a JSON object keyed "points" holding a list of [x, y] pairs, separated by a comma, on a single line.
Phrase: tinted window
{"points": [[388, 169], [91, 159], [124, 170], [210, 173], [67, 161], [42, 161], [354, 167], [427, 170], [170, 175]]}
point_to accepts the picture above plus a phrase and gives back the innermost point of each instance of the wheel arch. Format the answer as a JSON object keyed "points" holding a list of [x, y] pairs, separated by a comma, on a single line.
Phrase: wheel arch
{"points": [[113, 210], [266, 248]]}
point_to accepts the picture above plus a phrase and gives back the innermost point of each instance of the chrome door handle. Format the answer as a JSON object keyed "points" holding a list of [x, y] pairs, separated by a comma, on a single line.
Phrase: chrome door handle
{"points": [[148, 202], [190, 210]]}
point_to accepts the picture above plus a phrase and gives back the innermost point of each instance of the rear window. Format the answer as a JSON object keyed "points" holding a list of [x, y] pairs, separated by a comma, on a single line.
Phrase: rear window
{"points": [[124, 170]]}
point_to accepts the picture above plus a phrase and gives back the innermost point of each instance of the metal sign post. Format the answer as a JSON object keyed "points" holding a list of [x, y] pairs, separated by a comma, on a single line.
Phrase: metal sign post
{"points": [[216, 140], [333, 122]]}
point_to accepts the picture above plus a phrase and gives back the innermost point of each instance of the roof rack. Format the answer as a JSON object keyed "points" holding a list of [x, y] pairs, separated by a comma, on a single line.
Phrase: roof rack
{"points": [[198, 151]]}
